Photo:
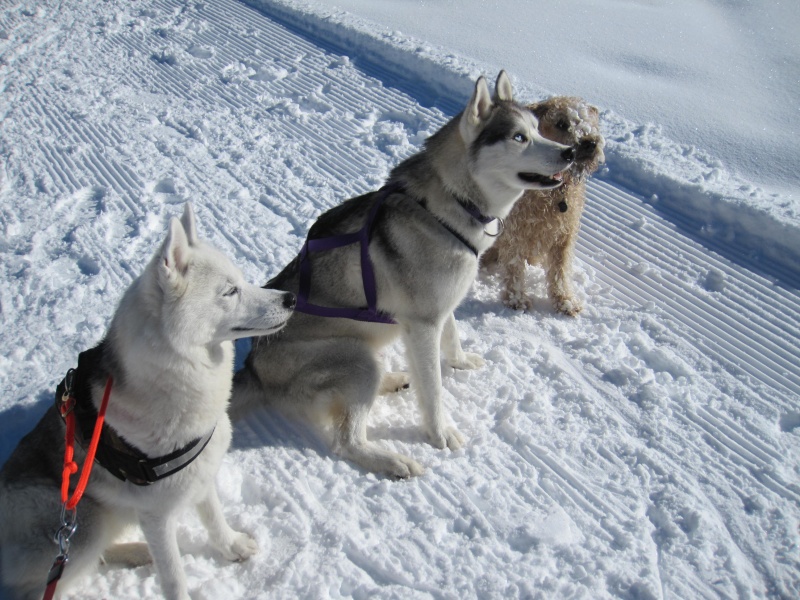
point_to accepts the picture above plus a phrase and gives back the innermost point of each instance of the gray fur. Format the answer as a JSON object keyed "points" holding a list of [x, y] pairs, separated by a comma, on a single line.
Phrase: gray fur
{"points": [[422, 270]]}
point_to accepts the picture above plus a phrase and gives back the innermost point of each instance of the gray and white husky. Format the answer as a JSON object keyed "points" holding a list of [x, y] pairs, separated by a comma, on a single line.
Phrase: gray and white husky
{"points": [[425, 232], [169, 350]]}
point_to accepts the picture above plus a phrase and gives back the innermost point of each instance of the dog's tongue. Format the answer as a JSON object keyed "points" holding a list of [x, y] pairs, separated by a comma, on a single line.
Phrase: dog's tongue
{"points": [[558, 177]]}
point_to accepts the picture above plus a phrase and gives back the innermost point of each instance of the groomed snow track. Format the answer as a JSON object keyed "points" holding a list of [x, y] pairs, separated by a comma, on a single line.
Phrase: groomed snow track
{"points": [[602, 469]]}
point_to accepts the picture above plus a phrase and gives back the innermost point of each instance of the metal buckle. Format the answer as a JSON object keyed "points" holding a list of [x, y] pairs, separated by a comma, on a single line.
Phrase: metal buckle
{"points": [[501, 226], [69, 525], [57, 570], [67, 404]]}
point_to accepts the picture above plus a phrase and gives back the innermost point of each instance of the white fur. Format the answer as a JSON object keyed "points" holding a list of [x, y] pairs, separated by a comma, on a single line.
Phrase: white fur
{"points": [[172, 340]]}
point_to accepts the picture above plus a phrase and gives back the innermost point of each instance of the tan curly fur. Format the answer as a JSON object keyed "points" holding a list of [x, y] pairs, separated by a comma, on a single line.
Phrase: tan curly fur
{"points": [[537, 232]]}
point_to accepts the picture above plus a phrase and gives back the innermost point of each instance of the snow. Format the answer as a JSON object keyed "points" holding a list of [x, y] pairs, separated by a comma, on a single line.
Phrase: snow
{"points": [[722, 76], [646, 449]]}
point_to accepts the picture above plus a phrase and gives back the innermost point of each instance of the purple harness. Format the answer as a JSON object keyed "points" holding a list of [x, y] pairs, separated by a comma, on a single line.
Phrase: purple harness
{"points": [[371, 313]]}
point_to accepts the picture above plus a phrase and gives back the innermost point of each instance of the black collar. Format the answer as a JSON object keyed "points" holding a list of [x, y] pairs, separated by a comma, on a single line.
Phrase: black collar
{"points": [[474, 211], [114, 454], [424, 204], [481, 218]]}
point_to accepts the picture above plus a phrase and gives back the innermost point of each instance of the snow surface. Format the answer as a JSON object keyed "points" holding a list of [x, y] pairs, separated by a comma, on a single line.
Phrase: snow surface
{"points": [[720, 75], [647, 449]]}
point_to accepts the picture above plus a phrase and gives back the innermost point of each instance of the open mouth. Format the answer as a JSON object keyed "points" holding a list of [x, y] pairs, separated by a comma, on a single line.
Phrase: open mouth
{"points": [[542, 180]]}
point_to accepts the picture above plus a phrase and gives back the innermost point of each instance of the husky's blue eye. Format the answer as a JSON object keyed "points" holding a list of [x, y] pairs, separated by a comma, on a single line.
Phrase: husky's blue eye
{"points": [[520, 138], [231, 292]]}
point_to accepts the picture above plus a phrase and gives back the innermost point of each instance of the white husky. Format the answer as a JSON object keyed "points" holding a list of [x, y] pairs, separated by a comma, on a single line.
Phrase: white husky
{"points": [[169, 351], [414, 255]]}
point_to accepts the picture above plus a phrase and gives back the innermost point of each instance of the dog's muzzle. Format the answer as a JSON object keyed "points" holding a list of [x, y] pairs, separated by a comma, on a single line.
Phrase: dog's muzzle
{"points": [[585, 150]]}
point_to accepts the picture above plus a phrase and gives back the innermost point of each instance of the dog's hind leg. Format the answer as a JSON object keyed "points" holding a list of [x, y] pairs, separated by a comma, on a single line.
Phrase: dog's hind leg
{"points": [[350, 442], [347, 376], [422, 353], [233, 545], [338, 377]]}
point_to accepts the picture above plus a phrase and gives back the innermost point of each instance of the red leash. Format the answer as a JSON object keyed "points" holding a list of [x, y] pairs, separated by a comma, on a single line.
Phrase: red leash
{"points": [[69, 523]]}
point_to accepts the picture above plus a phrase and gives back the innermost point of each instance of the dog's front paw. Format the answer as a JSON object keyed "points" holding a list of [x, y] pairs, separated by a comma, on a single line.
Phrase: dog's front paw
{"points": [[242, 547], [448, 437], [568, 305], [467, 361]]}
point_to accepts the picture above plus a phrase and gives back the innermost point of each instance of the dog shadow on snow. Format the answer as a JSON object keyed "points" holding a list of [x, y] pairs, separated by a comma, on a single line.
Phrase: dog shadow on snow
{"points": [[268, 427], [18, 420]]}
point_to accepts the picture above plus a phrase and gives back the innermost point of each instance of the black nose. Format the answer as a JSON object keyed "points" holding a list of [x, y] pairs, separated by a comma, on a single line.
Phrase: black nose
{"points": [[588, 145], [289, 300], [568, 154]]}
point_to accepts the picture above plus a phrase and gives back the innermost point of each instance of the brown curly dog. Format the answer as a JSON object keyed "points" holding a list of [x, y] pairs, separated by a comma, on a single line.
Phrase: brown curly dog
{"points": [[542, 228]]}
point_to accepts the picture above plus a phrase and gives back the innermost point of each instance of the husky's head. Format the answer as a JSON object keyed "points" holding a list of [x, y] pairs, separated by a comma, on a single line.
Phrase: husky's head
{"points": [[205, 299], [506, 151]]}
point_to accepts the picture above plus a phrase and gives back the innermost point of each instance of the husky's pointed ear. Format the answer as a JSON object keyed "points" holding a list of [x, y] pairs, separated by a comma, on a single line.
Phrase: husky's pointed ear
{"points": [[189, 224], [480, 105], [502, 89], [174, 254], [478, 110]]}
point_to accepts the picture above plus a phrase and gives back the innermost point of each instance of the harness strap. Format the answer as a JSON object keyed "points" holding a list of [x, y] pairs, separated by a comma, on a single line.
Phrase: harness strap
{"points": [[131, 465], [370, 313]]}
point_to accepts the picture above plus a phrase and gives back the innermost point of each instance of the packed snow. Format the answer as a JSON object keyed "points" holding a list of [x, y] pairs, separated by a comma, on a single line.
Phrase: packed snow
{"points": [[647, 449], [721, 76]]}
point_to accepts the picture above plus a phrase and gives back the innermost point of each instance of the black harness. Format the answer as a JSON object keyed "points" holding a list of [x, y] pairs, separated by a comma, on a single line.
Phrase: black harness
{"points": [[114, 454]]}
